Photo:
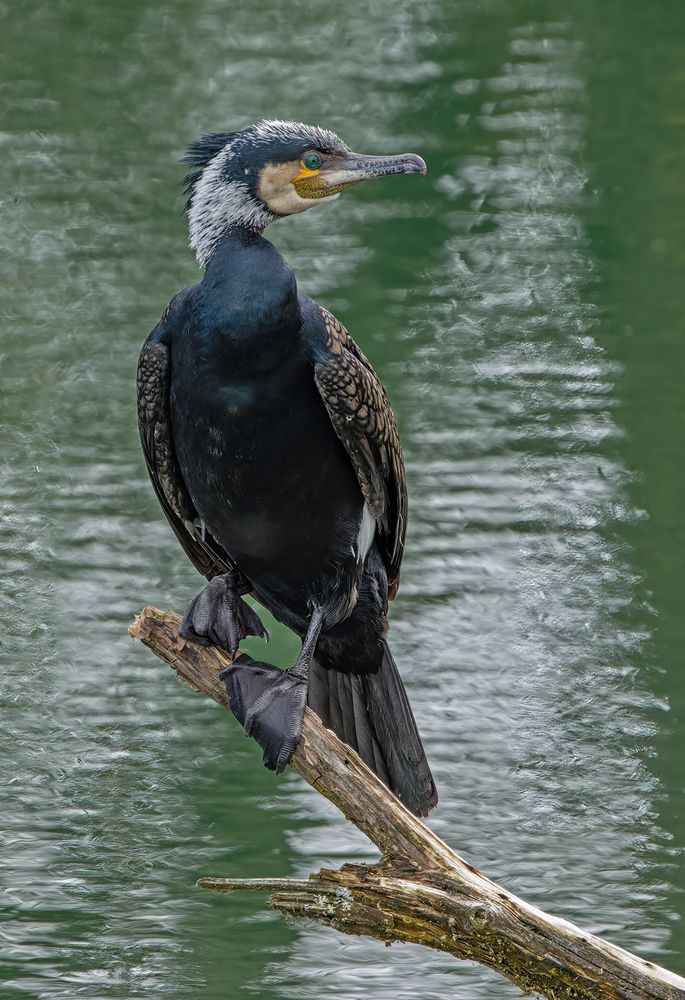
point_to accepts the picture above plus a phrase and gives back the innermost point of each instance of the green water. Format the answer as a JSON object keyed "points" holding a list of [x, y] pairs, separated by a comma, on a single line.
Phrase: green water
{"points": [[523, 304]]}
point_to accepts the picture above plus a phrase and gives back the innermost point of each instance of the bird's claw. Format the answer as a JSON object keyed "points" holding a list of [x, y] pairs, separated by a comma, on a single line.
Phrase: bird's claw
{"points": [[220, 617]]}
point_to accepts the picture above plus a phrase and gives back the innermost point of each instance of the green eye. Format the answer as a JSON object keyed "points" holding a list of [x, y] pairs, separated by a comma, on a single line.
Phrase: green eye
{"points": [[312, 161]]}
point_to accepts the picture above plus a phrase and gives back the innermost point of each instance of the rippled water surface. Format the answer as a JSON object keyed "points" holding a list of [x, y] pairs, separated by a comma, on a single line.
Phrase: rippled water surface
{"points": [[523, 304]]}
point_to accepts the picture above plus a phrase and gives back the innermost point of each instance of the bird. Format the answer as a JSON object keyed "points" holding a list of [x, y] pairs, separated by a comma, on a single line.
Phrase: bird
{"points": [[274, 452]]}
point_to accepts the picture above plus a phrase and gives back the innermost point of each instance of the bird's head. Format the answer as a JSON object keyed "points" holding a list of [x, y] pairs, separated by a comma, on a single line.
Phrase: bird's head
{"points": [[270, 170]]}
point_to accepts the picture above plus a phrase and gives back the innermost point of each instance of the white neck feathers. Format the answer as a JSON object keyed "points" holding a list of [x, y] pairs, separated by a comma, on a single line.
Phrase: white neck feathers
{"points": [[217, 203]]}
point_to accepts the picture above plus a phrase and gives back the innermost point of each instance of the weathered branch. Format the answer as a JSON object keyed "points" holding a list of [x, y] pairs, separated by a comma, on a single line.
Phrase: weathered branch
{"points": [[421, 891]]}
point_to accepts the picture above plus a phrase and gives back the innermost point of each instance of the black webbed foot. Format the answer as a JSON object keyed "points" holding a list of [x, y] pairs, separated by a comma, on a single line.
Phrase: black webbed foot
{"points": [[270, 705], [219, 615], [270, 702], [245, 680]]}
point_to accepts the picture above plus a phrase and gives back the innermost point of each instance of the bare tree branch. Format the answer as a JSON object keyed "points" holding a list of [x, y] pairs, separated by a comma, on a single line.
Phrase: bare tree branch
{"points": [[421, 891]]}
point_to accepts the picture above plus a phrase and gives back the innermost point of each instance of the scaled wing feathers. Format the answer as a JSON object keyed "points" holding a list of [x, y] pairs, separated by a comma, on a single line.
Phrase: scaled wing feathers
{"points": [[154, 424], [363, 420]]}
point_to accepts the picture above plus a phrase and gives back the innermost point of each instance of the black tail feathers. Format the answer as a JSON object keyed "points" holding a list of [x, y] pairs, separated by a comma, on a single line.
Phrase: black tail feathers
{"points": [[372, 714]]}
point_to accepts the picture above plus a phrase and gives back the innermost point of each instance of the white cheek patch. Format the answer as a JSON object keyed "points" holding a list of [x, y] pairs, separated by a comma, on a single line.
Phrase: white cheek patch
{"points": [[287, 201], [278, 193]]}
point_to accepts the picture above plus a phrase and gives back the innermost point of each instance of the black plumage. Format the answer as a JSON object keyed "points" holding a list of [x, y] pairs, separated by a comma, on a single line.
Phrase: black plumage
{"points": [[274, 453]]}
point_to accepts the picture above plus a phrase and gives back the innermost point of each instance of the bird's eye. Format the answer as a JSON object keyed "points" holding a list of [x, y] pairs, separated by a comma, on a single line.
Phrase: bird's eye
{"points": [[311, 160]]}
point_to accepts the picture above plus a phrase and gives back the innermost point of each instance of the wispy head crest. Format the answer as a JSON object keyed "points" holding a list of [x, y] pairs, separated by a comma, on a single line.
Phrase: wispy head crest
{"points": [[202, 150], [198, 155]]}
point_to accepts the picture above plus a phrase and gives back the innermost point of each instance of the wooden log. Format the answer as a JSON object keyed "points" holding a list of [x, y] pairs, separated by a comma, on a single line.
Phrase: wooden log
{"points": [[421, 891]]}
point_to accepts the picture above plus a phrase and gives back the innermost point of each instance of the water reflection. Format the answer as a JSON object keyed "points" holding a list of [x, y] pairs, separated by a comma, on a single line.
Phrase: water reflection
{"points": [[514, 577], [519, 626]]}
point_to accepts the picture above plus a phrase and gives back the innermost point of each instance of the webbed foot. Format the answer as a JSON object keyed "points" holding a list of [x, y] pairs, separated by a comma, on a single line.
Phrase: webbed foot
{"points": [[270, 704], [219, 615]]}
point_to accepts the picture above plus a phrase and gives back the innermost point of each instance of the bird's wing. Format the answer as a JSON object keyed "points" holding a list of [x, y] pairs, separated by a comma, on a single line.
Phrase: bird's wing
{"points": [[363, 420], [154, 423]]}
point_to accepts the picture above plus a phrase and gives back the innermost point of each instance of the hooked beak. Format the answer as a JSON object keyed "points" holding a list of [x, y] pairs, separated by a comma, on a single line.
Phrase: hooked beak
{"points": [[355, 167], [358, 167]]}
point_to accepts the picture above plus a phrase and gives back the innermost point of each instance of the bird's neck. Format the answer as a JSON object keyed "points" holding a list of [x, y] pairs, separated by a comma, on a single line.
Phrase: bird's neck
{"points": [[217, 205], [234, 242], [249, 290]]}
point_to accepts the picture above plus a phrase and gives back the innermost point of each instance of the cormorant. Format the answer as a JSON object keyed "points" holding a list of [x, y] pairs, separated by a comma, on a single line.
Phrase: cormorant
{"points": [[274, 452]]}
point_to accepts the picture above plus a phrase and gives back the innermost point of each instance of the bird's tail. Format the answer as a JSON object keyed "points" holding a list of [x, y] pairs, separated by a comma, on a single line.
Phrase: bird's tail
{"points": [[372, 714]]}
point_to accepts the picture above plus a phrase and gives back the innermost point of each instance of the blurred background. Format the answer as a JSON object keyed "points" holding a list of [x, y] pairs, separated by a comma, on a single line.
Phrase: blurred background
{"points": [[523, 304]]}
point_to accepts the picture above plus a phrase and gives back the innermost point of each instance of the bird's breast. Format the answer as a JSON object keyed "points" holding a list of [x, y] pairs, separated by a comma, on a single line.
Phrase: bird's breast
{"points": [[266, 471]]}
